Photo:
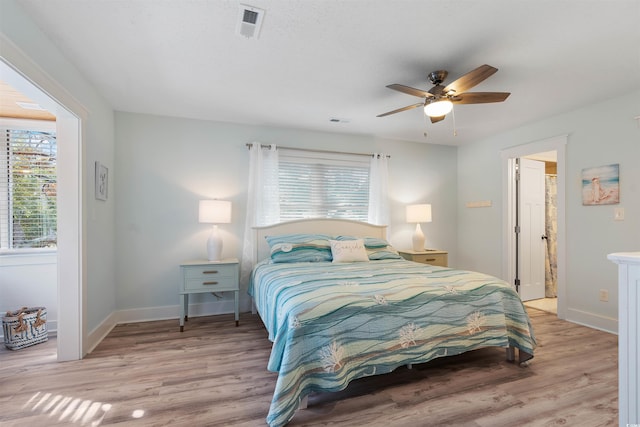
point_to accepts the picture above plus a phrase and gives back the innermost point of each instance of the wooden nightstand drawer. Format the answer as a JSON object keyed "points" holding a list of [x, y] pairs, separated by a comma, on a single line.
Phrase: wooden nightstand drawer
{"points": [[199, 271], [211, 278], [211, 284], [432, 257]]}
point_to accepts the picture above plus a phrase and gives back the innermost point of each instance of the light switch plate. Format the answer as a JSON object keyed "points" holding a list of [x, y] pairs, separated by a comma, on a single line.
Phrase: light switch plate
{"points": [[479, 204], [618, 214]]}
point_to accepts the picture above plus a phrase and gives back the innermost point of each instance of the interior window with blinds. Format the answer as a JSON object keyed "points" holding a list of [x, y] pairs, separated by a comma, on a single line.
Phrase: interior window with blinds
{"points": [[28, 205], [323, 185]]}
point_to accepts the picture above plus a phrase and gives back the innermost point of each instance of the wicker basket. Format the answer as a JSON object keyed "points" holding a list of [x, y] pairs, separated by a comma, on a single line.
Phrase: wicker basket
{"points": [[25, 327]]}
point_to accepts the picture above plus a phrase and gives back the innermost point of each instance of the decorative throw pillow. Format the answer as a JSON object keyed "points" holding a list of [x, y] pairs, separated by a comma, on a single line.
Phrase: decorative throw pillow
{"points": [[376, 248], [348, 250], [299, 247], [369, 242]]}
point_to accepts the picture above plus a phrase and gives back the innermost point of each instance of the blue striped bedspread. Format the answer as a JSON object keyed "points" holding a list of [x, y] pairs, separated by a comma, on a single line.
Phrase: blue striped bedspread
{"points": [[331, 323]]}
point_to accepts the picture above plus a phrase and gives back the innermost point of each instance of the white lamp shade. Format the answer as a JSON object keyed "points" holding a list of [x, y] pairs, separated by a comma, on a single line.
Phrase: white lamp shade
{"points": [[214, 212], [419, 213], [438, 108]]}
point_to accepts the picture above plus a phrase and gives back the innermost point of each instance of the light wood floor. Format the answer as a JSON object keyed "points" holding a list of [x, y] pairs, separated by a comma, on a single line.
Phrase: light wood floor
{"points": [[214, 374]]}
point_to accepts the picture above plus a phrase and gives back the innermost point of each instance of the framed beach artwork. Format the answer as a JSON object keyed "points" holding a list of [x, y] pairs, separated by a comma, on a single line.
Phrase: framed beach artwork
{"points": [[102, 181], [601, 185]]}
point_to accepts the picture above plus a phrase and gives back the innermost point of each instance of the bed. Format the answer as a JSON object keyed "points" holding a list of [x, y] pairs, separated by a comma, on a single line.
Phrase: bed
{"points": [[333, 322]]}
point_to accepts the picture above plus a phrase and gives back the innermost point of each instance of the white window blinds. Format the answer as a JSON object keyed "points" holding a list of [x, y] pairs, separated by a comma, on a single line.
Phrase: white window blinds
{"points": [[28, 202], [323, 185]]}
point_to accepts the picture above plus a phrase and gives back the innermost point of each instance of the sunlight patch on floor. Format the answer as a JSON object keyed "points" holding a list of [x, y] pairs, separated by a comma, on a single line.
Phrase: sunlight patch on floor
{"points": [[550, 305], [74, 410]]}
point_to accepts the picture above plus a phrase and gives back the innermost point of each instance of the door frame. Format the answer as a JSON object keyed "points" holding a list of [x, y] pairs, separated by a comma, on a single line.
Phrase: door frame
{"points": [[508, 156], [31, 80]]}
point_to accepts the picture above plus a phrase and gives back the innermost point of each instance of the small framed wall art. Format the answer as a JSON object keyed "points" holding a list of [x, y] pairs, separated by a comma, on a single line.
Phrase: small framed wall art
{"points": [[601, 185], [102, 181]]}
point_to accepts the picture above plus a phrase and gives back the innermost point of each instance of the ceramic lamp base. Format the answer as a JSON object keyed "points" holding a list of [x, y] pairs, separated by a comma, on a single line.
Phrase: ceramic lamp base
{"points": [[214, 245], [418, 239]]}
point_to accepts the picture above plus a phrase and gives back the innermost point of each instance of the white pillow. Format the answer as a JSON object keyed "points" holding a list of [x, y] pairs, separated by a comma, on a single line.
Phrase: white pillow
{"points": [[348, 250]]}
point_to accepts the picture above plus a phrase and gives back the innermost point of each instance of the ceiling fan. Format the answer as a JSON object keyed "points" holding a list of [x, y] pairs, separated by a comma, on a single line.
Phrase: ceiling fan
{"points": [[439, 100]]}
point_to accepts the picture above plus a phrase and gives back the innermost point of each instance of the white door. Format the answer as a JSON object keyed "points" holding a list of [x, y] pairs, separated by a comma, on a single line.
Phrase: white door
{"points": [[531, 247]]}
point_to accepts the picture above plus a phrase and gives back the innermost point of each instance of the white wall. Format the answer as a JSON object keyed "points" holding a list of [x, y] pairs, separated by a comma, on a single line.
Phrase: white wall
{"points": [[66, 84], [165, 165], [29, 281], [601, 134]]}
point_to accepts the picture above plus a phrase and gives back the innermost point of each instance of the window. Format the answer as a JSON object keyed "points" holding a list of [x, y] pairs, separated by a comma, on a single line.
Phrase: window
{"points": [[323, 185], [28, 205]]}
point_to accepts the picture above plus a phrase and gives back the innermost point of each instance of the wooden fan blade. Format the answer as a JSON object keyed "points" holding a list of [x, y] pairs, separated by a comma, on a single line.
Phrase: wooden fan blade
{"points": [[410, 90], [471, 79], [436, 119], [399, 110], [480, 97]]}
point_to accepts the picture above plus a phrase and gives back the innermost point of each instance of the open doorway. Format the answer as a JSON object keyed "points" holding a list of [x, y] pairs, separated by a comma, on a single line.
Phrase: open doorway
{"points": [[33, 83], [552, 151], [547, 299]]}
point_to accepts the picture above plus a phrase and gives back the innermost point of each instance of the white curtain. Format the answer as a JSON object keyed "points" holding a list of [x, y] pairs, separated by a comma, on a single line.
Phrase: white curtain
{"points": [[263, 201], [378, 193]]}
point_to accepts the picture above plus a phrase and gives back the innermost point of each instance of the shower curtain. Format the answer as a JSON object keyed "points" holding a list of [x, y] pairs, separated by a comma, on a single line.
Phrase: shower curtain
{"points": [[551, 274]]}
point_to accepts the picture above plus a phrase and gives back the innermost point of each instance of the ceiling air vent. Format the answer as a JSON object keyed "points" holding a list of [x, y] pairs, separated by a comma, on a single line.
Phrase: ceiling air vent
{"points": [[250, 21]]}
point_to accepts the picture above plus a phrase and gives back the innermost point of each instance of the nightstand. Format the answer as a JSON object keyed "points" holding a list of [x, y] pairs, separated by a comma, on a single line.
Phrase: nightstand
{"points": [[203, 276], [428, 256]]}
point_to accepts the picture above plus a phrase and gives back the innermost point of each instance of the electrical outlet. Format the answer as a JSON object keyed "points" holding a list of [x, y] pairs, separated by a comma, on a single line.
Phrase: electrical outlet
{"points": [[604, 295]]}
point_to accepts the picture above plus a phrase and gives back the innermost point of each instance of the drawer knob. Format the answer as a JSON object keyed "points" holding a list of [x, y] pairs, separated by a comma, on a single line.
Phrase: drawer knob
{"points": [[210, 272], [209, 283], [430, 259]]}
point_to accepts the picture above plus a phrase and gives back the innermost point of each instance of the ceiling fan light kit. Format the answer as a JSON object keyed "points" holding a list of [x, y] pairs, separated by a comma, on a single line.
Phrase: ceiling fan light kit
{"points": [[437, 107], [439, 100]]}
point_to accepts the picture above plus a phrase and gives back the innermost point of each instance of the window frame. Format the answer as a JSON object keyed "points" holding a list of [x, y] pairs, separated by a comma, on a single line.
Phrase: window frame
{"points": [[29, 125]]}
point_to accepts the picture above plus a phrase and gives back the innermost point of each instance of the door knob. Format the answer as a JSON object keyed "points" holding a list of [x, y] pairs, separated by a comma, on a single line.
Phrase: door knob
{"points": [[544, 237]]}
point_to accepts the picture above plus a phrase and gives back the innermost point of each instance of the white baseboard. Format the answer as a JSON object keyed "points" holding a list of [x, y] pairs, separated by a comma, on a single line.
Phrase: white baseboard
{"points": [[595, 321], [148, 314], [100, 332]]}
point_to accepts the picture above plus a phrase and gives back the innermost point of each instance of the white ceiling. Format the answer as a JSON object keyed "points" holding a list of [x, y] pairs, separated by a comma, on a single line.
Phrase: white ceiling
{"points": [[320, 59]]}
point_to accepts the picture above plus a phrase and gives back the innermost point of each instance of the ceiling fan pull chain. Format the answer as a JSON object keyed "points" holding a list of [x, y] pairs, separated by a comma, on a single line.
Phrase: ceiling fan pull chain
{"points": [[453, 114], [426, 123]]}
